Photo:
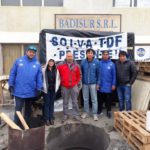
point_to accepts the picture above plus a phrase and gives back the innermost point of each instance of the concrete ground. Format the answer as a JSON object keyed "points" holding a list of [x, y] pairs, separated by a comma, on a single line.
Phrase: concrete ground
{"points": [[116, 141]]}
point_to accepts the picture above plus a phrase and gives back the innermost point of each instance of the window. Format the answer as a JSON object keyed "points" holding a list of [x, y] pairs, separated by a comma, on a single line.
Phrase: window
{"points": [[143, 3], [53, 2], [131, 3], [10, 2], [32, 2], [122, 3]]}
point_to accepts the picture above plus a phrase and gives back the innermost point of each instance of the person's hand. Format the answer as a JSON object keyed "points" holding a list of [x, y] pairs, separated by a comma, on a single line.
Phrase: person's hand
{"points": [[79, 85], [113, 88], [97, 87], [11, 91], [39, 94]]}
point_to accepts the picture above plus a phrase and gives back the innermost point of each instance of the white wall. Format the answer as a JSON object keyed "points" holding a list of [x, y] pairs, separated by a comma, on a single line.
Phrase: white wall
{"points": [[1, 60], [34, 19]]}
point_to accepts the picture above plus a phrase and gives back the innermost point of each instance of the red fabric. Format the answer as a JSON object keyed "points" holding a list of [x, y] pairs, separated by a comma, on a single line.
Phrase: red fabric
{"points": [[69, 78]]}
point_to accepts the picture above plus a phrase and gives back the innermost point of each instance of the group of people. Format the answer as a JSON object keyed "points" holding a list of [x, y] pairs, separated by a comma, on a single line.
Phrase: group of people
{"points": [[98, 79]]}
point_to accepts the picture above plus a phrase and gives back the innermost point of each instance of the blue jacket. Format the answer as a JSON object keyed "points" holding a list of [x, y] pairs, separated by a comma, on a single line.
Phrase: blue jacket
{"points": [[90, 71], [26, 77], [107, 76]]}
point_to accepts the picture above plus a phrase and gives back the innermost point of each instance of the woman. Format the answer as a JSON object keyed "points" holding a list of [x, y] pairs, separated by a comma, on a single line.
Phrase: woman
{"points": [[51, 85]]}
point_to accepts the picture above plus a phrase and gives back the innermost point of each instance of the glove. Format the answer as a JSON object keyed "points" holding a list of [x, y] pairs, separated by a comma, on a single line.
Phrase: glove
{"points": [[11, 91], [39, 94]]}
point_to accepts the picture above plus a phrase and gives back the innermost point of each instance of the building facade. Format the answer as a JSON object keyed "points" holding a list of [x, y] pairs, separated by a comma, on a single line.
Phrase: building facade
{"points": [[22, 20]]}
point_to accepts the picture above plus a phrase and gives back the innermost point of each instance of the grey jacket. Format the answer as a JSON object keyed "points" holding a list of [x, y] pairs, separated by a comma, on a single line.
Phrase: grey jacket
{"points": [[126, 72]]}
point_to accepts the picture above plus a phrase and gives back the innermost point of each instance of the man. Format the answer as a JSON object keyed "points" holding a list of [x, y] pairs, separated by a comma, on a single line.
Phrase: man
{"points": [[126, 75], [107, 83], [90, 80], [70, 76], [25, 81]]}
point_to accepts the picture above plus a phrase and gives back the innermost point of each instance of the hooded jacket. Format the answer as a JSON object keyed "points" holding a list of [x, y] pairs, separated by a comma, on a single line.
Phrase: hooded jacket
{"points": [[107, 76], [26, 77], [70, 76], [45, 79]]}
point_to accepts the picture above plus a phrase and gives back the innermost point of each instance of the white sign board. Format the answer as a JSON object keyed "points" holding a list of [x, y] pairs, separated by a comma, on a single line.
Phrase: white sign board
{"points": [[58, 45], [142, 53]]}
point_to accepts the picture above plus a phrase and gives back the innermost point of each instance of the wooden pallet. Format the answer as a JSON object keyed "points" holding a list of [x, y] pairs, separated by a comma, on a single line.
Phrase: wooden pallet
{"points": [[131, 125]]}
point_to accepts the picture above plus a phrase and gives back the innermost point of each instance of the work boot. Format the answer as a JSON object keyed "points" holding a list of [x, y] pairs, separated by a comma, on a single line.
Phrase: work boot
{"points": [[47, 123], [109, 114], [51, 121]]}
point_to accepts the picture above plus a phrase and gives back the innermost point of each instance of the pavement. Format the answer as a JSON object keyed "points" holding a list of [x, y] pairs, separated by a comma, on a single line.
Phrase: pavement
{"points": [[116, 140]]}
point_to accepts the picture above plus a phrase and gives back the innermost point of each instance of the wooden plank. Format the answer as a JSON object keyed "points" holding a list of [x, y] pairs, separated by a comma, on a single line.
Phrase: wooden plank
{"points": [[141, 121], [1, 94], [22, 120], [133, 122], [135, 125], [126, 134], [9, 121], [142, 138], [138, 143]]}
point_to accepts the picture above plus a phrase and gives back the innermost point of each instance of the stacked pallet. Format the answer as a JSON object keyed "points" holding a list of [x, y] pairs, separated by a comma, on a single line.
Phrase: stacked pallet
{"points": [[132, 126], [144, 67]]}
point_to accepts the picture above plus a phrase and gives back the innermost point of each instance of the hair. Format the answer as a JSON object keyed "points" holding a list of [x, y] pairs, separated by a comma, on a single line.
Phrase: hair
{"points": [[54, 67], [90, 50], [105, 51], [123, 53]]}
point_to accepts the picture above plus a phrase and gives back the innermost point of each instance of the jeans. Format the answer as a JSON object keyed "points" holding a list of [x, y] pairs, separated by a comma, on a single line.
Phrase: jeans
{"points": [[49, 99], [86, 90], [19, 102], [124, 95], [66, 93]]}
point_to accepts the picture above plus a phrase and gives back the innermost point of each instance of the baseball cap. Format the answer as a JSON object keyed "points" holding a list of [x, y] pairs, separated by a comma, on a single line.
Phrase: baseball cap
{"points": [[31, 47]]}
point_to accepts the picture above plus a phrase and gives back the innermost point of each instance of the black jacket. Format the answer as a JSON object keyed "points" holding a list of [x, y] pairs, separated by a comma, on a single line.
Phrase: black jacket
{"points": [[126, 72]]}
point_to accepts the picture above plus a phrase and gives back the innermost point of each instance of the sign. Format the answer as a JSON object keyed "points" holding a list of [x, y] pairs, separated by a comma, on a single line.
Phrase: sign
{"points": [[58, 45], [142, 53], [96, 22]]}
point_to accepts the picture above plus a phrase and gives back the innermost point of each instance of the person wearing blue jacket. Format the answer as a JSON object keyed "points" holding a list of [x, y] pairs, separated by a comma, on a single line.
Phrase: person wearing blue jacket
{"points": [[107, 82], [90, 80], [25, 81]]}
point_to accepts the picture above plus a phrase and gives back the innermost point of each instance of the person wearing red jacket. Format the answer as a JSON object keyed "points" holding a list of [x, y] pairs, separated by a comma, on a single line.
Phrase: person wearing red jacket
{"points": [[70, 77]]}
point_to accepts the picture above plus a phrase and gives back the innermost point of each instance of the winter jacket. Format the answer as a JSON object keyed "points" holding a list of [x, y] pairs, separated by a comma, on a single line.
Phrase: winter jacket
{"points": [[70, 76], [126, 72], [26, 77], [45, 80], [90, 71], [107, 76]]}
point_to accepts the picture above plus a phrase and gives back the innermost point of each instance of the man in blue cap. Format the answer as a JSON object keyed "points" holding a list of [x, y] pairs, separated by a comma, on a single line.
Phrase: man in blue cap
{"points": [[25, 81]]}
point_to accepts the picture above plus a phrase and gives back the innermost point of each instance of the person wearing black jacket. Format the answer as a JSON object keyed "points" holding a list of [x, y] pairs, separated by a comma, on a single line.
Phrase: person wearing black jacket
{"points": [[126, 75], [50, 75]]}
